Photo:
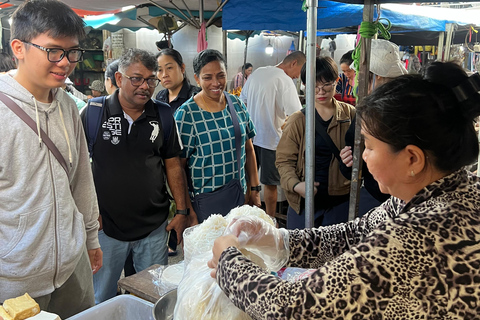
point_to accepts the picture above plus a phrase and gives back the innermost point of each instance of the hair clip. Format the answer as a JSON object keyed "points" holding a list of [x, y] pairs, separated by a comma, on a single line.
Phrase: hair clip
{"points": [[467, 88]]}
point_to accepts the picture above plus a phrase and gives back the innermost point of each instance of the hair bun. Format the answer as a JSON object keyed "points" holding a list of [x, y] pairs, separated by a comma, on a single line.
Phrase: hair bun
{"points": [[467, 88]]}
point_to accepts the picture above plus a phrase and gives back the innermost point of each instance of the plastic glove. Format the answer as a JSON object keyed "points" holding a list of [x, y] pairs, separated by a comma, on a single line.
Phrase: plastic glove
{"points": [[262, 239]]}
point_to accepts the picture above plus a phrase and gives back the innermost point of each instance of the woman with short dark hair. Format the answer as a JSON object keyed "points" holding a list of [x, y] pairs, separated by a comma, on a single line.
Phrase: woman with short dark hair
{"points": [[206, 127], [333, 118]]}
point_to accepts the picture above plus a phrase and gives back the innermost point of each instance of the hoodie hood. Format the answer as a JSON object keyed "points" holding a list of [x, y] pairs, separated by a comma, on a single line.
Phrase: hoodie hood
{"points": [[15, 90]]}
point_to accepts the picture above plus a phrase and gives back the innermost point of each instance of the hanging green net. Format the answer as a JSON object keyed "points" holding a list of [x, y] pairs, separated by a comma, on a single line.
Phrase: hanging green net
{"points": [[369, 30]]}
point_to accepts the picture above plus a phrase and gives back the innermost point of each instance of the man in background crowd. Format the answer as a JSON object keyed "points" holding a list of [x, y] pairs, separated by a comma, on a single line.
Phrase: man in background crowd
{"points": [[270, 95]]}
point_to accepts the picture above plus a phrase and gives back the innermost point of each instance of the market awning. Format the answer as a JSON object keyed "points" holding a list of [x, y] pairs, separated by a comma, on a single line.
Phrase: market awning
{"points": [[288, 15]]}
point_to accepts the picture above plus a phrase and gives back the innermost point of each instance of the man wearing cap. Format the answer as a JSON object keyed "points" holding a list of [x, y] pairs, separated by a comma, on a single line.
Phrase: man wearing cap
{"points": [[385, 65], [97, 88]]}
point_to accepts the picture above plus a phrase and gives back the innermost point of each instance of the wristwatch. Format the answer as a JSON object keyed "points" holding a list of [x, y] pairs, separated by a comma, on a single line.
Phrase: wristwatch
{"points": [[184, 212], [257, 188]]}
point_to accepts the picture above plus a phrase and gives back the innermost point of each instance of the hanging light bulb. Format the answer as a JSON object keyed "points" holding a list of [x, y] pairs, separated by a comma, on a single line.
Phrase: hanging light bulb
{"points": [[269, 48]]}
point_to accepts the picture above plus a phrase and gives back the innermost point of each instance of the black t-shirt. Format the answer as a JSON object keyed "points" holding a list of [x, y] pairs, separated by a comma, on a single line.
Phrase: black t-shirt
{"points": [[128, 170], [323, 156], [185, 93]]}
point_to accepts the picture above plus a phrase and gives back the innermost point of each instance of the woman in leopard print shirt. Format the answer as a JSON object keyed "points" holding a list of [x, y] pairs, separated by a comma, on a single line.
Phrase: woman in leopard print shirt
{"points": [[417, 256]]}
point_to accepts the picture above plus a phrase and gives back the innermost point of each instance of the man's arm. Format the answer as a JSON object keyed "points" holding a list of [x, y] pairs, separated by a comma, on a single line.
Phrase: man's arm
{"points": [[178, 186]]}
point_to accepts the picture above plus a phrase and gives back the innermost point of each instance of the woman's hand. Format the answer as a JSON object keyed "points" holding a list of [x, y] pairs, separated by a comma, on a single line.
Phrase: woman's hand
{"points": [[220, 244], [346, 155], [300, 188]]}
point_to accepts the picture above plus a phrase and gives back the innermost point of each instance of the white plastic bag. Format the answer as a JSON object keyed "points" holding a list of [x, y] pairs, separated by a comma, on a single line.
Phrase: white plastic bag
{"points": [[198, 294]]}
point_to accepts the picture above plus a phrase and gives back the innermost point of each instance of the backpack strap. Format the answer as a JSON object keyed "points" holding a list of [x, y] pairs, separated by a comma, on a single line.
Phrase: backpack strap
{"points": [[166, 118], [93, 118], [328, 141]]}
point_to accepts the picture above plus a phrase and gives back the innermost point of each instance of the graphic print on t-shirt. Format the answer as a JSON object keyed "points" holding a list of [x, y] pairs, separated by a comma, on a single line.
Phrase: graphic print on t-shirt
{"points": [[155, 130], [114, 125]]}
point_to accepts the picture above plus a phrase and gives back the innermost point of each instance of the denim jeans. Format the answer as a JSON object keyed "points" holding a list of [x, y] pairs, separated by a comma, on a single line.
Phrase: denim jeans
{"points": [[146, 252]]}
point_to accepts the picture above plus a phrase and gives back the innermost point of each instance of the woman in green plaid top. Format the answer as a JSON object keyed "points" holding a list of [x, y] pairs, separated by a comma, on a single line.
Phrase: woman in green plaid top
{"points": [[208, 137]]}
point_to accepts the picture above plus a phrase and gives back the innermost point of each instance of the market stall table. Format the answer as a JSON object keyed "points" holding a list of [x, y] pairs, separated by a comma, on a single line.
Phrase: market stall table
{"points": [[141, 284]]}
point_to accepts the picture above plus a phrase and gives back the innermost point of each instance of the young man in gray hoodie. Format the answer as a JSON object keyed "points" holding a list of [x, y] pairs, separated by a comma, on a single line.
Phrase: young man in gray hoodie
{"points": [[48, 213]]}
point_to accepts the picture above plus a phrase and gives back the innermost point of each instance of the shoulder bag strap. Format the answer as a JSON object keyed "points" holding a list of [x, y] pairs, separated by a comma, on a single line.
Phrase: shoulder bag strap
{"points": [[166, 118], [328, 140], [236, 127], [31, 123]]}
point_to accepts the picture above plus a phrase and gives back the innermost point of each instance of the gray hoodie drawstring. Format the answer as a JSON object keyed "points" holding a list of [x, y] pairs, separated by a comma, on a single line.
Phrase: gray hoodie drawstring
{"points": [[38, 123], [66, 135]]}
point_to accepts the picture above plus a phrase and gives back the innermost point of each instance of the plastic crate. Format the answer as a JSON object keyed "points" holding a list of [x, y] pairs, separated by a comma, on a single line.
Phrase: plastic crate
{"points": [[123, 307]]}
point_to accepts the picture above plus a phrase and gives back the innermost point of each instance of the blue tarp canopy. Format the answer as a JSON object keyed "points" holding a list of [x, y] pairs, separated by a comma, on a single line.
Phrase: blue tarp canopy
{"points": [[287, 15]]}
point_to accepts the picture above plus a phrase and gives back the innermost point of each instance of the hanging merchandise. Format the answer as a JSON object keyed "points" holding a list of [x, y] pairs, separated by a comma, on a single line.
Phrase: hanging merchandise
{"points": [[117, 44], [107, 47], [202, 43], [292, 48]]}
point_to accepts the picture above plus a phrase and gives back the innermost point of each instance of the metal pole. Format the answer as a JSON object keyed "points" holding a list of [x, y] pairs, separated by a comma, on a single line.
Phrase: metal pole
{"points": [[310, 112], [170, 12], [209, 22], [183, 14], [451, 27], [248, 33], [201, 11], [441, 39], [224, 44], [363, 82], [190, 13]]}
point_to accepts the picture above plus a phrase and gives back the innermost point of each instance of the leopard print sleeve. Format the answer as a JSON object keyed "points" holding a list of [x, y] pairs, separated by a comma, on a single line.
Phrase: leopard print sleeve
{"points": [[415, 260], [371, 281], [311, 248]]}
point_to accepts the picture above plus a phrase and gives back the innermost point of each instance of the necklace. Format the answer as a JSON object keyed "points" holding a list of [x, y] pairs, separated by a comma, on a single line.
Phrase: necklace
{"points": [[205, 103]]}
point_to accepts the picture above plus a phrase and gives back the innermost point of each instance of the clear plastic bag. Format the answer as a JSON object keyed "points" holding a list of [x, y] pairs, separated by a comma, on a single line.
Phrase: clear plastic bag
{"points": [[167, 278]]}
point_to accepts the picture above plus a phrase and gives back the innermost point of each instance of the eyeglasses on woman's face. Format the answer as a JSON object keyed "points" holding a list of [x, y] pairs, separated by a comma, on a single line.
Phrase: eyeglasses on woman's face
{"points": [[327, 87]]}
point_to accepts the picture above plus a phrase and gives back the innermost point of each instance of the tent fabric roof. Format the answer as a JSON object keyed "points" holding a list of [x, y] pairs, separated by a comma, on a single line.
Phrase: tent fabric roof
{"points": [[289, 16]]}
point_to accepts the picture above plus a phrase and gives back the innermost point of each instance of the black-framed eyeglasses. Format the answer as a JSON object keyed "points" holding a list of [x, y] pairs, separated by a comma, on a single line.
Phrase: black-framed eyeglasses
{"points": [[138, 81], [326, 87], [57, 54]]}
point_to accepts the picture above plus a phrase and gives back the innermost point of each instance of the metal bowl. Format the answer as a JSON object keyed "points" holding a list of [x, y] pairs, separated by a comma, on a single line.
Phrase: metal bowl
{"points": [[164, 307]]}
